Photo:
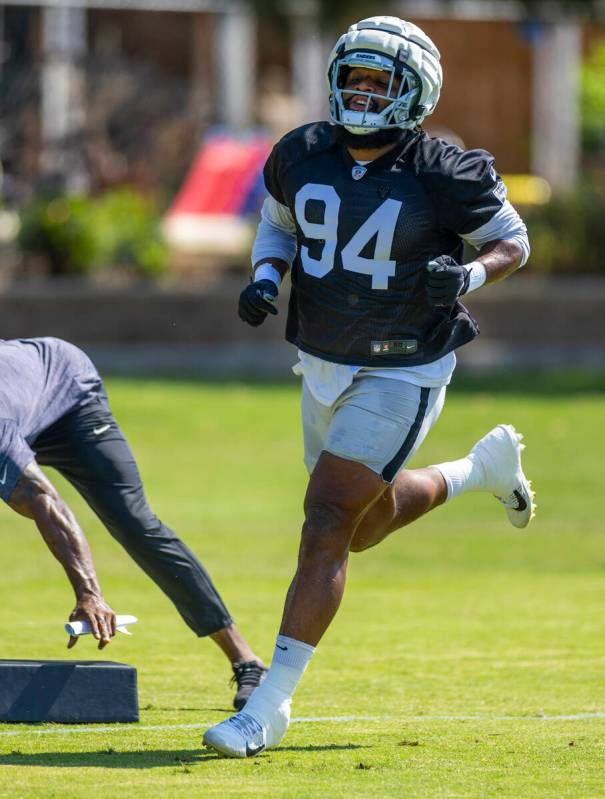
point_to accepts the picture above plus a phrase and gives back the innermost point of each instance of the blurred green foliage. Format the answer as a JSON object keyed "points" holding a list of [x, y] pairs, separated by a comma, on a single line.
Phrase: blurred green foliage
{"points": [[80, 235], [593, 100], [567, 235]]}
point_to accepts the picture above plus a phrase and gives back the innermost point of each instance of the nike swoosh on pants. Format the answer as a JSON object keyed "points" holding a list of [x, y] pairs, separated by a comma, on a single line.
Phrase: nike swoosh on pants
{"points": [[98, 430]]}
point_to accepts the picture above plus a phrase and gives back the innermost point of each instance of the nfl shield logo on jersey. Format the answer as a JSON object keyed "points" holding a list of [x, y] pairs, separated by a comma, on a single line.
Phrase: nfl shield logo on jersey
{"points": [[358, 172]]}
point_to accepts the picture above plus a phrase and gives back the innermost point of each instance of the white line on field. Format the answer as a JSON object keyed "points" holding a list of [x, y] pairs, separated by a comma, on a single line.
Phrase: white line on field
{"points": [[301, 720]]}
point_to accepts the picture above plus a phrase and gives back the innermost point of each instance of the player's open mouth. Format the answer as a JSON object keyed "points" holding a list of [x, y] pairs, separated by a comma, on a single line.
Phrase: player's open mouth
{"points": [[358, 103]]}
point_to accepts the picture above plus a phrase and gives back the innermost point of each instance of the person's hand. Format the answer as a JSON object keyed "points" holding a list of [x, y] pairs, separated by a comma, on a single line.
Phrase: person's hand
{"points": [[446, 282], [256, 301], [93, 609]]}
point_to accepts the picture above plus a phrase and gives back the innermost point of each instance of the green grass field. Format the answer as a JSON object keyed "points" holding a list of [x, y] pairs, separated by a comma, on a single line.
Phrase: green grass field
{"points": [[467, 659]]}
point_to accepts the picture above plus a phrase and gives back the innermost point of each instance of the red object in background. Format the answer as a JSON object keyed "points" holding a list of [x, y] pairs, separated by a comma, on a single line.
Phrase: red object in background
{"points": [[222, 176]]}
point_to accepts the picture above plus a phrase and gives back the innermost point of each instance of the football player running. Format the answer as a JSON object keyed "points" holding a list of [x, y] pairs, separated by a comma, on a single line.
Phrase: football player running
{"points": [[370, 214]]}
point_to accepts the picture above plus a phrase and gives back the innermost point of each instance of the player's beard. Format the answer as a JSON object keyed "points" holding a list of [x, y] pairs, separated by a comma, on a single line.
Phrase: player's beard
{"points": [[368, 141]]}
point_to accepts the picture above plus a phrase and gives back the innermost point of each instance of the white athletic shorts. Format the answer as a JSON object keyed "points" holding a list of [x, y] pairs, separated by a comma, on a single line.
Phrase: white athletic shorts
{"points": [[377, 421]]}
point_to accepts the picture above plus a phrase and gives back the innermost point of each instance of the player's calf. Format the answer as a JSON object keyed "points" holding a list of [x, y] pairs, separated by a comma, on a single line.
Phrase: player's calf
{"points": [[413, 493]]}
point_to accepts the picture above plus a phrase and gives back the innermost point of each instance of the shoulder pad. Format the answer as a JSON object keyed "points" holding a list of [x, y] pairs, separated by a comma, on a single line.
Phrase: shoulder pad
{"points": [[305, 141], [464, 186], [296, 146], [435, 159]]}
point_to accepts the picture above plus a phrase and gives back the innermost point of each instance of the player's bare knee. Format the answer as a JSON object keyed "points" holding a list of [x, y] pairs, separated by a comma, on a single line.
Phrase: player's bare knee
{"points": [[327, 528], [327, 517]]}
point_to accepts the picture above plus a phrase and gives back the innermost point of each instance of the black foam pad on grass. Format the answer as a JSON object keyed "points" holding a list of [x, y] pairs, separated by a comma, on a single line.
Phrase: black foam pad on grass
{"points": [[68, 691]]}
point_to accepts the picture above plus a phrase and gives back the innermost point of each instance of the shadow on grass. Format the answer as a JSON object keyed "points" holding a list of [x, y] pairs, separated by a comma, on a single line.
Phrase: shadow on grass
{"points": [[108, 758], [325, 748], [143, 759]]}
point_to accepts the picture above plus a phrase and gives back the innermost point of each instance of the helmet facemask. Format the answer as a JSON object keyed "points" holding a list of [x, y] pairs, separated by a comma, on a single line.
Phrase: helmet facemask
{"points": [[410, 60], [401, 109]]}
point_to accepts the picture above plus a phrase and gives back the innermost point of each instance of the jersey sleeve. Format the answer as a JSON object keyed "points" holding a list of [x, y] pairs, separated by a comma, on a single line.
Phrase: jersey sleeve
{"points": [[296, 146], [271, 175], [473, 192], [464, 186], [15, 455]]}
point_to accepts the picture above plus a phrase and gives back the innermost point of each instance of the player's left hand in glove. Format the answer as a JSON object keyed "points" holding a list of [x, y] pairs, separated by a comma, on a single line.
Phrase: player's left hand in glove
{"points": [[446, 282], [256, 301]]}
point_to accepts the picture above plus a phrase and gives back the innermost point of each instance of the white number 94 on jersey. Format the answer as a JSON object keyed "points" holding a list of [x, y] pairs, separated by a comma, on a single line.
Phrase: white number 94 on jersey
{"points": [[381, 224]]}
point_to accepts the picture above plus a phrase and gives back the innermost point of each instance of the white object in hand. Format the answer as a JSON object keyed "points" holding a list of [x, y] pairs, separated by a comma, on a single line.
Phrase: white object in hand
{"points": [[84, 628]]}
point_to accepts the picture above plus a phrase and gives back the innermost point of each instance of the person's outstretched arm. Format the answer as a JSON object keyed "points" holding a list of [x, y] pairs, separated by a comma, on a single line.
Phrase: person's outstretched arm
{"points": [[35, 497]]}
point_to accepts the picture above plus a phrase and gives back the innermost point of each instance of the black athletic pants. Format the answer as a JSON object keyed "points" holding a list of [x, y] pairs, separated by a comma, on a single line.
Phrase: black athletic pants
{"points": [[88, 448]]}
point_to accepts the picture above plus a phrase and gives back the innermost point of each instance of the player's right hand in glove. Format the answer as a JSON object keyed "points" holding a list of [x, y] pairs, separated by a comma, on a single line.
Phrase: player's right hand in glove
{"points": [[256, 301], [446, 282]]}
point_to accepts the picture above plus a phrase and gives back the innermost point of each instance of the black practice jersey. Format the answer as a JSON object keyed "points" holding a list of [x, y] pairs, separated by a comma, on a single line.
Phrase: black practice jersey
{"points": [[365, 236]]}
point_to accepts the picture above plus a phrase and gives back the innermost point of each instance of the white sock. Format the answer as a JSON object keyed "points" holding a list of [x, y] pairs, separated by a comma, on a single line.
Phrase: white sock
{"points": [[290, 660], [466, 474]]}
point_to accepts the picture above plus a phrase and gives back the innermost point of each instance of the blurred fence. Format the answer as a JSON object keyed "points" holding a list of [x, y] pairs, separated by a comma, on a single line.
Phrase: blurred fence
{"points": [[150, 330]]}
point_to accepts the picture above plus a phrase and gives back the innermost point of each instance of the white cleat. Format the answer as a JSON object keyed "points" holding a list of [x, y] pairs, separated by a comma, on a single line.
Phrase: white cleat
{"points": [[239, 736], [499, 452], [243, 735]]}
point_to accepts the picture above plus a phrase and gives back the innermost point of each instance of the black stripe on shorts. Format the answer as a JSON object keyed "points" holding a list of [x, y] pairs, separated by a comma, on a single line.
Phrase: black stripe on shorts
{"points": [[393, 466]]}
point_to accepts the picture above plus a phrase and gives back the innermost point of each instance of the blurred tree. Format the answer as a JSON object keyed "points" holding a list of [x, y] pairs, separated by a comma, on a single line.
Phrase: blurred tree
{"points": [[77, 235], [567, 234], [593, 101]]}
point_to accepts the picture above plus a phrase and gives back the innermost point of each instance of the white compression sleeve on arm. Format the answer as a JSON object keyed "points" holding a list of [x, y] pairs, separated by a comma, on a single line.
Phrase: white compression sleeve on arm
{"points": [[276, 233], [505, 225]]}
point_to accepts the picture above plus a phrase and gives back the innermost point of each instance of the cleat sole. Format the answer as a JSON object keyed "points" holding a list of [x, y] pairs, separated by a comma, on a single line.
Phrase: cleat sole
{"points": [[220, 753]]}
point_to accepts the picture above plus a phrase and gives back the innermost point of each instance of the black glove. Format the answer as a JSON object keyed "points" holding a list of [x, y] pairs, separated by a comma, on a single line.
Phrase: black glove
{"points": [[256, 301], [446, 282]]}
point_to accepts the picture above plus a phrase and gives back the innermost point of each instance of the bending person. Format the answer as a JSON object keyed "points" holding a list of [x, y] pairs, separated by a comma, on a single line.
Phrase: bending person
{"points": [[54, 412]]}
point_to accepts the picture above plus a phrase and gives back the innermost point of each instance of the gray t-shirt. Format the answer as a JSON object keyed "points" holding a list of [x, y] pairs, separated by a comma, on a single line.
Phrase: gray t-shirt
{"points": [[41, 380]]}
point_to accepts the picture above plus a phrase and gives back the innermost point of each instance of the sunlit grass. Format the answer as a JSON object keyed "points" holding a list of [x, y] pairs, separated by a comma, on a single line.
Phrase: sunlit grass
{"points": [[456, 636]]}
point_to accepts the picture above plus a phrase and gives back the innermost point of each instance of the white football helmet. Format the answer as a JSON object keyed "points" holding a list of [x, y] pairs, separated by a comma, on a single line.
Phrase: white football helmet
{"points": [[394, 46]]}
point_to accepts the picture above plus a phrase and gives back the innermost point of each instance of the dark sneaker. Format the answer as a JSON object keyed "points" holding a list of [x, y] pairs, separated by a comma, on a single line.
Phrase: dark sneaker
{"points": [[247, 675]]}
